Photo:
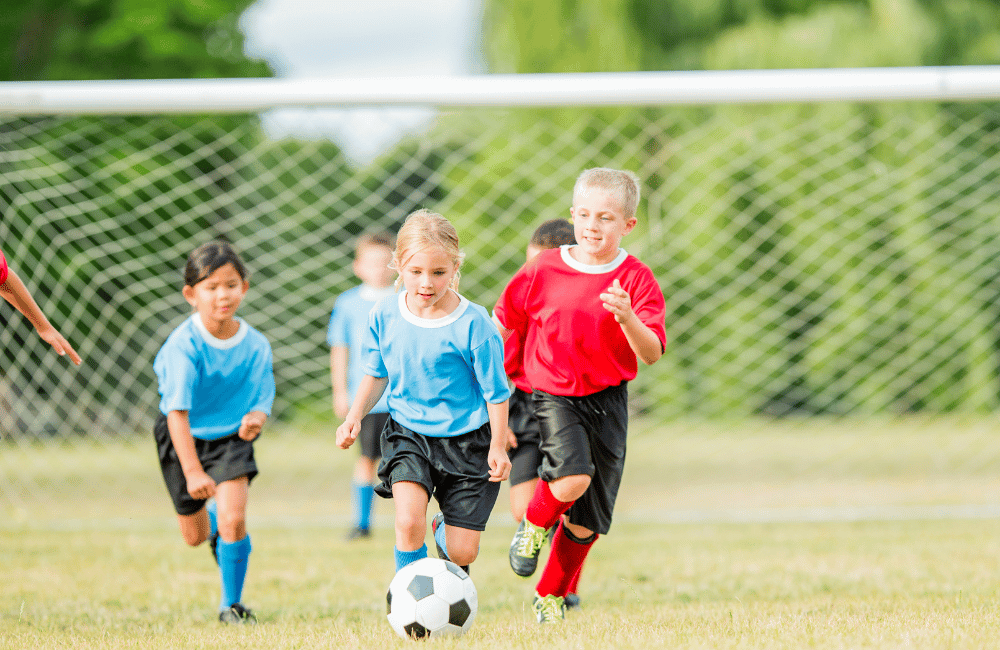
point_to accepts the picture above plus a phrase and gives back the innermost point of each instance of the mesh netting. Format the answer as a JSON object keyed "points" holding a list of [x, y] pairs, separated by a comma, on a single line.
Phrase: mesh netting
{"points": [[815, 259]]}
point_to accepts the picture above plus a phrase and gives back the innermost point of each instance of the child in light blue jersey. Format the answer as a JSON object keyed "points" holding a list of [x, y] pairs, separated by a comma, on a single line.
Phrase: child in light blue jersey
{"points": [[345, 335], [216, 391], [439, 359]]}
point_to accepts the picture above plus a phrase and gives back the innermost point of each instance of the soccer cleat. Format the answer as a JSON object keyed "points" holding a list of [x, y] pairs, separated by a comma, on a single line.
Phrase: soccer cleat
{"points": [[549, 609], [525, 547], [358, 533], [213, 545], [237, 614], [571, 601]]}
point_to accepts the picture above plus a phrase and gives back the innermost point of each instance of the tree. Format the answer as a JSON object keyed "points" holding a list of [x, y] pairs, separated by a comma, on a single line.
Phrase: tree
{"points": [[123, 39]]}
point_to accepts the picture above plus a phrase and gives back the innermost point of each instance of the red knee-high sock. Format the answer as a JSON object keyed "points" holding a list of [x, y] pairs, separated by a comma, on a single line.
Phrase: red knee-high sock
{"points": [[574, 584], [544, 509], [565, 559]]}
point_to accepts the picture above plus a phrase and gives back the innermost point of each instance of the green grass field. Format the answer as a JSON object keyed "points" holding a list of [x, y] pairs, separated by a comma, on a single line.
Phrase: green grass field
{"points": [[790, 535]]}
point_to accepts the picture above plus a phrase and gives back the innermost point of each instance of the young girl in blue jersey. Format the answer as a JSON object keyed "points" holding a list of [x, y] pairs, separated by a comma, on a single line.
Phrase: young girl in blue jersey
{"points": [[216, 391], [440, 359]]}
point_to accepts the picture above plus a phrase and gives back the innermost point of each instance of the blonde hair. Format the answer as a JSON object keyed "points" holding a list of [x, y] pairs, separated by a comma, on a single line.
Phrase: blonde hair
{"points": [[621, 182], [422, 229]]}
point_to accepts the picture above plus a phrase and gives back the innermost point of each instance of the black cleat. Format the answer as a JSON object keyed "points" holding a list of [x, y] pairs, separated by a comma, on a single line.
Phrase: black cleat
{"points": [[525, 547], [571, 601], [237, 614], [358, 533], [213, 545]]}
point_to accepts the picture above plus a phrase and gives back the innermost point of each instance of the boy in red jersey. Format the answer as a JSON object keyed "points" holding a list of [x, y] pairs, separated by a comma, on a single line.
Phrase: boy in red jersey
{"points": [[583, 314]]}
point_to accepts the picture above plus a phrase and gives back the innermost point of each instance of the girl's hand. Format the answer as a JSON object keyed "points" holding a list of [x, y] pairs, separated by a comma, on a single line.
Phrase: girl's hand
{"points": [[499, 464], [200, 485], [617, 301], [251, 426], [348, 432]]}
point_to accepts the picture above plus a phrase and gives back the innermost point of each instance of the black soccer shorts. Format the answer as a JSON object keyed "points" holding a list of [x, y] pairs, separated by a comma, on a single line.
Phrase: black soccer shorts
{"points": [[224, 459], [370, 437], [525, 458], [454, 470], [585, 435]]}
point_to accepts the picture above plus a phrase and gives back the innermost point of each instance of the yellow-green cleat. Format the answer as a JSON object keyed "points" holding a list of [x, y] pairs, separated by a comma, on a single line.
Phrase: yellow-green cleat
{"points": [[549, 609], [525, 547]]}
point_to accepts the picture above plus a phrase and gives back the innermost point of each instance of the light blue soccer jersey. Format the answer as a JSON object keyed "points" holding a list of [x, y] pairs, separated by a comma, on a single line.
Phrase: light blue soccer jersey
{"points": [[348, 328], [441, 371], [217, 381]]}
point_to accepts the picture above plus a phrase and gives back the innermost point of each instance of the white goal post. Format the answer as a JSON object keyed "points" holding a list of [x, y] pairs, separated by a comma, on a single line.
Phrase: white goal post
{"points": [[941, 83]]}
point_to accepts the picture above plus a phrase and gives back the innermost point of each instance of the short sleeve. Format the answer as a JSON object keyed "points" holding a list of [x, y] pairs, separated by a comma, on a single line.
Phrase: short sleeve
{"points": [[3, 268], [336, 332], [371, 353], [265, 384], [510, 309], [176, 373]]}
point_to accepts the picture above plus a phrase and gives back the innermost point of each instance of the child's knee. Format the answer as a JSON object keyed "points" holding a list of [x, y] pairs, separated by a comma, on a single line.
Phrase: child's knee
{"points": [[463, 555], [410, 525], [232, 526]]}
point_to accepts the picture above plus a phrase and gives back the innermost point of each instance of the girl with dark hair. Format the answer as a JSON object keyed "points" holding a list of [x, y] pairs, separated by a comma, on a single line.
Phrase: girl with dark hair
{"points": [[216, 390]]}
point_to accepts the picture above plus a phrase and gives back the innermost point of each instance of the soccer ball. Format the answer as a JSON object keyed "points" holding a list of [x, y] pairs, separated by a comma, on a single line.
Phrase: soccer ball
{"points": [[431, 597]]}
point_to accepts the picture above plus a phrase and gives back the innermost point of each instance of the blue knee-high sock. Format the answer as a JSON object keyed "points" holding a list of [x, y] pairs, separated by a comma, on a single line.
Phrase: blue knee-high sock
{"points": [[364, 500], [442, 540], [233, 560], [213, 517], [406, 557]]}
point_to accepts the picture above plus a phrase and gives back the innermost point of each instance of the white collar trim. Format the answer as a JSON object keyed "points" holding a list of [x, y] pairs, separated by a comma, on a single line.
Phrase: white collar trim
{"points": [[430, 323], [217, 343], [594, 269]]}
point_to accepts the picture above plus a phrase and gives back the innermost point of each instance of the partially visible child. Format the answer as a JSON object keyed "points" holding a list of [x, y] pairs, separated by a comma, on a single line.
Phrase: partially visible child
{"points": [[216, 390], [345, 335], [13, 291], [440, 358], [525, 457], [603, 310]]}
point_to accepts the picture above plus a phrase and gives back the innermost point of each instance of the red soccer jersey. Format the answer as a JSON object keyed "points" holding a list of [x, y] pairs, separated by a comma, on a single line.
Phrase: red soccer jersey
{"points": [[572, 345], [3, 268]]}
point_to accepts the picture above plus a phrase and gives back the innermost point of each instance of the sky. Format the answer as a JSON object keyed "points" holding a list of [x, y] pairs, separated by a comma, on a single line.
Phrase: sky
{"points": [[351, 38]]}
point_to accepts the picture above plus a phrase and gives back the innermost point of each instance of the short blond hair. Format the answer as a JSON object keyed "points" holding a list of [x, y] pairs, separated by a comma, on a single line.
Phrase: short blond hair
{"points": [[620, 182], [422, 229], [381, 238]]}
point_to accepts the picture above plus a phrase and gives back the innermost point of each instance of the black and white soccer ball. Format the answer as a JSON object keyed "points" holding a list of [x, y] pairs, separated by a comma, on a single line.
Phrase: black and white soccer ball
{"points": [[431, 597]]}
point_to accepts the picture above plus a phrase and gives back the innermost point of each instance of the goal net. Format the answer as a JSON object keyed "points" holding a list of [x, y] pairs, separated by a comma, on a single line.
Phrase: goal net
{"points": [[819, 259]]}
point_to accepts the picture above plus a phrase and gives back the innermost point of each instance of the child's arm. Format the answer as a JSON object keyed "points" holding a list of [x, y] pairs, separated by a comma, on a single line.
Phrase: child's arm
{"points": [[641, 339], [338, 379], [14, 292], [252, 425], [199, 484], [369, 392], [497, 458]]}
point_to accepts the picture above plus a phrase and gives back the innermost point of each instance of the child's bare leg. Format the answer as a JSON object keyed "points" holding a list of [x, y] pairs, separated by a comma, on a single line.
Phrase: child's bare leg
{"points": [[231, 499], [569, 488], [411, 514], [364, 470], [463, 544], [520, 496], [194, 528]]}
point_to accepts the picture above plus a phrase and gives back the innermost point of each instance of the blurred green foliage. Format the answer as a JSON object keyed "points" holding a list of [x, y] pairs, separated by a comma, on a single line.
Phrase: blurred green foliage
{"points": [[43, 40]]}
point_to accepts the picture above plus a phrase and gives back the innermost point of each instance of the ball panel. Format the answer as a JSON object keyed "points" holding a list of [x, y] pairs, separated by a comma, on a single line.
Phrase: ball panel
{"points": [[459, 613], [432, 613], [421, 586]]}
